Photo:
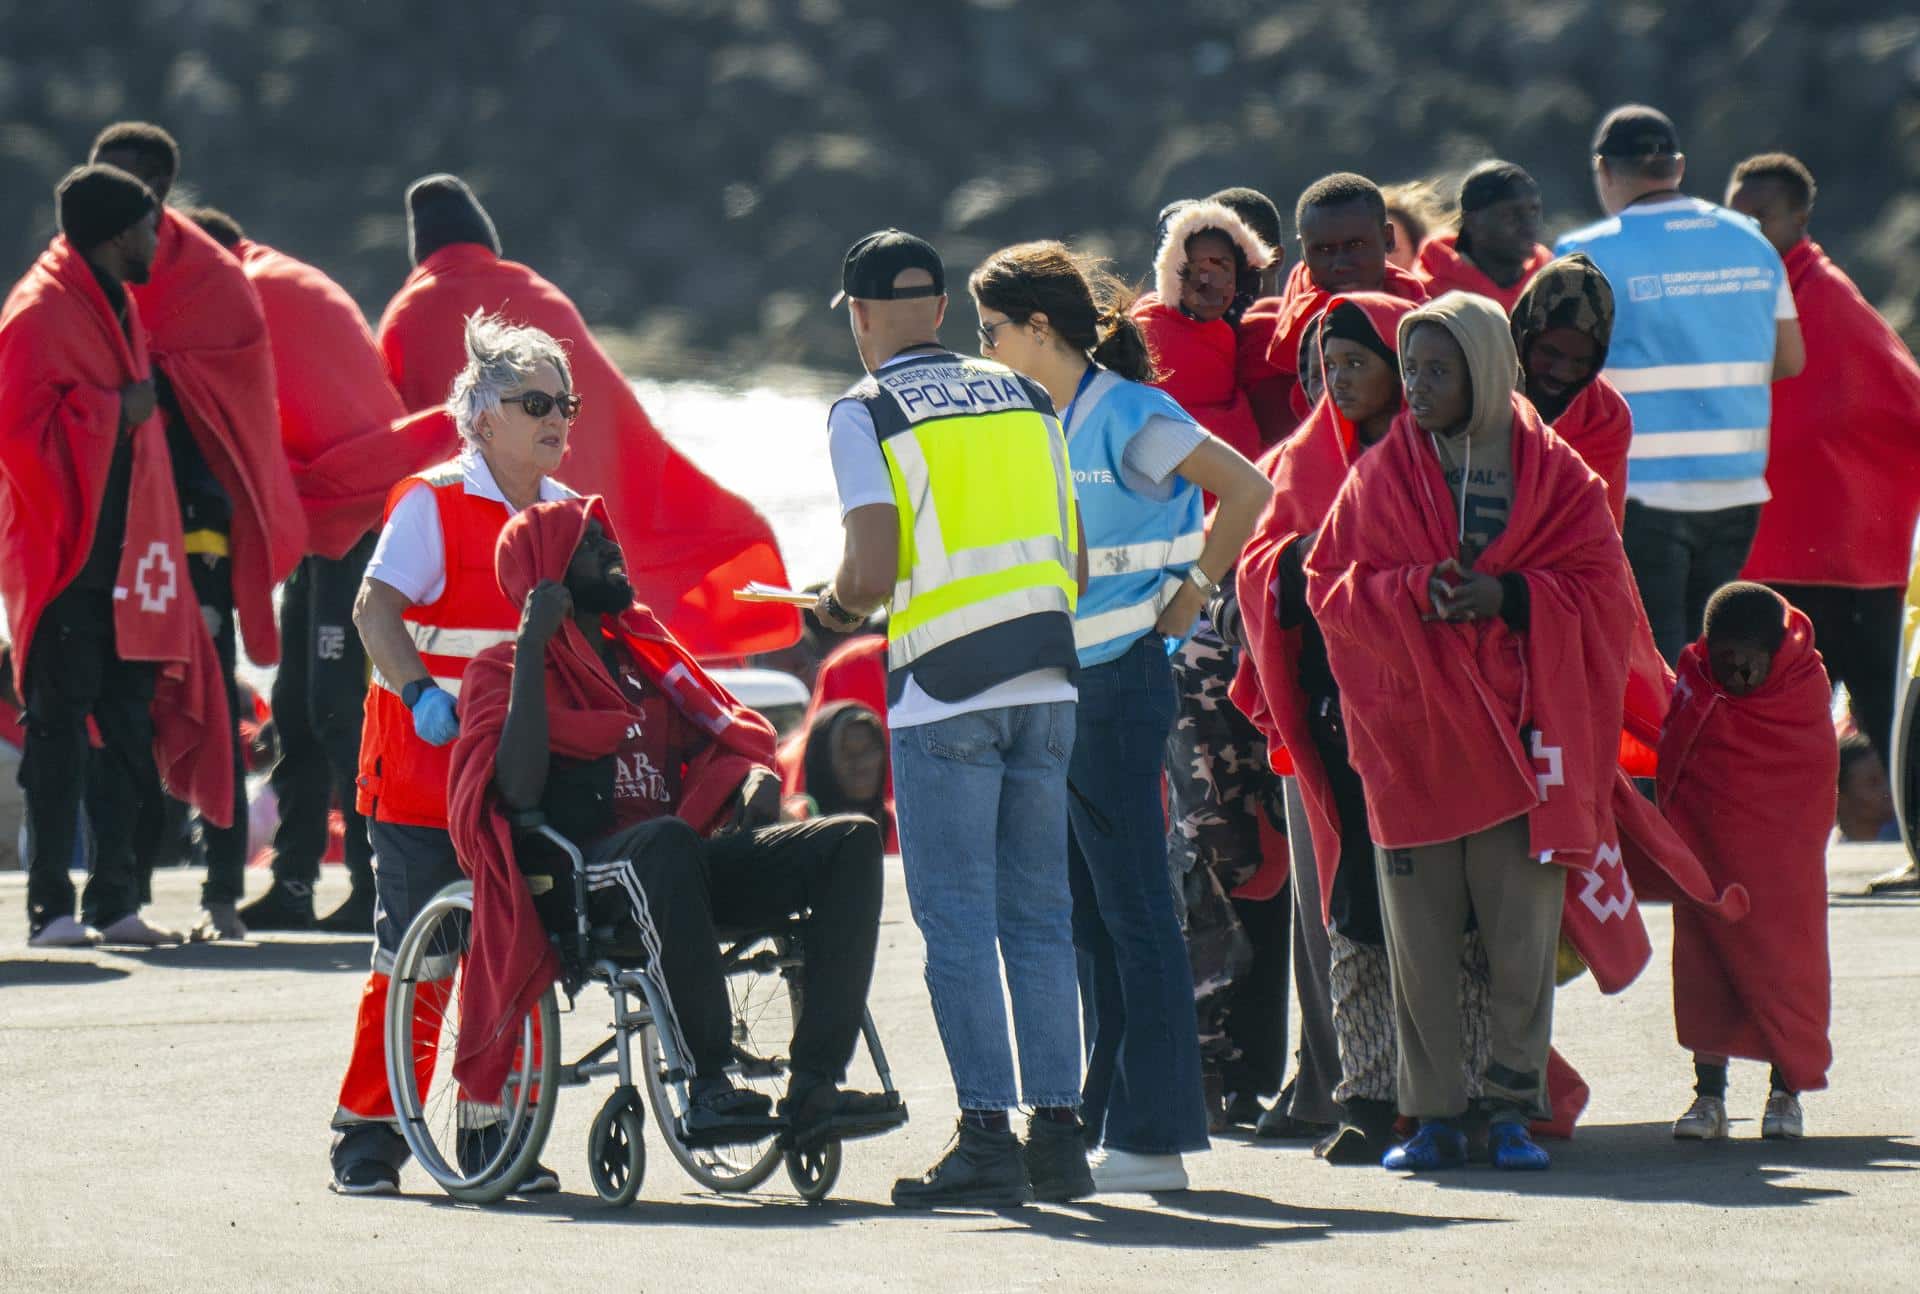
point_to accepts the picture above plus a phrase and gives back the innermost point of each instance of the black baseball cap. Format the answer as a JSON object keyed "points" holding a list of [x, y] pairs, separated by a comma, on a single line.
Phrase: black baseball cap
{"points": [[1635, 130], [875, 261]]}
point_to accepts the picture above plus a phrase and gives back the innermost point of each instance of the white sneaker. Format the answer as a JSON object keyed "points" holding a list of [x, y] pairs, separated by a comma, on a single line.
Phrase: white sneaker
{"points": [[218, 922], [64, 932], [1782, 1121], [1705, 1120], [134, 929], [1121, 1170]]}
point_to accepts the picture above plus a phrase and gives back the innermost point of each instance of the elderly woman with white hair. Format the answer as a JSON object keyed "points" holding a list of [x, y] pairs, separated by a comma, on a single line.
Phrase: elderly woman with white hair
{"points": [[429, 603]]}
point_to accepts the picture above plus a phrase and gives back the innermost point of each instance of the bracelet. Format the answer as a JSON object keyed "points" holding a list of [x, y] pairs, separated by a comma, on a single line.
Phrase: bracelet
{"points": [[839, 612]]}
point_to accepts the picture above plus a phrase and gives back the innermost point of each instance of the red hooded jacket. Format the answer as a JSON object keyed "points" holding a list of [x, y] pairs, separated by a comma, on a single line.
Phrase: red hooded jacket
{"points": [[347, 438], [1844, 465], [511, 960], [206, 332], [1196, 361], [63, 362], [699, 541]]}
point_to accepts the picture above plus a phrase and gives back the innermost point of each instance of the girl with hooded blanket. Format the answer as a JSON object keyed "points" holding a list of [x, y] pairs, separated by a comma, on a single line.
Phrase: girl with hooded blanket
{"points": [[1476, 604], [1562, 325], [1748, 774]]}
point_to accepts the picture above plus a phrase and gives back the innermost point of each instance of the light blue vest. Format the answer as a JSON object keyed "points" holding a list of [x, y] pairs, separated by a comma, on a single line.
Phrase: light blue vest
{"points": [[1138, 547], [1695, 288]]}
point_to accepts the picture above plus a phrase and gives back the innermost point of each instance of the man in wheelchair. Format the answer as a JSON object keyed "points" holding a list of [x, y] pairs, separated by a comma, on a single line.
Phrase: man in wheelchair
{"points": [[597, 719]]}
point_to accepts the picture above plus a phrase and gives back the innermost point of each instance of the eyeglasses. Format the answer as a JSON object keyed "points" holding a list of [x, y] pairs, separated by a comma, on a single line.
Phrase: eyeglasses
{"points": [[986, 332], [538, 404]]}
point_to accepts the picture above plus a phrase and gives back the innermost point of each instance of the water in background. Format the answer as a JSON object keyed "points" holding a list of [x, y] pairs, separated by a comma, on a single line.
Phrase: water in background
{"points": [[768, 445]]}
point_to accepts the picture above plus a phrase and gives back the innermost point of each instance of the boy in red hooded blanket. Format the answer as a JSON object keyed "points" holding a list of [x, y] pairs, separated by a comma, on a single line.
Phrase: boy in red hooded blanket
{"points": [[1748, 774], [599, 720], [1477, 610], [1344, 242], [348, 442], [702, 541], [244, 527], [1496, 249], [1843, 465], [93, 577], [1562, 326]]}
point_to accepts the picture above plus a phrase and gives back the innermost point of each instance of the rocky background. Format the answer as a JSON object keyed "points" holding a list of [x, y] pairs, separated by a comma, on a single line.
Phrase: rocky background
{"points": [[691, 170]]}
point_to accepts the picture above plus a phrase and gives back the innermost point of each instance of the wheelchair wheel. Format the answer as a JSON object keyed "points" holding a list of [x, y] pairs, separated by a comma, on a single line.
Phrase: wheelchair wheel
{"points": [[765, 1001], [814, 1172], [617, 1148], [477, 1149]]}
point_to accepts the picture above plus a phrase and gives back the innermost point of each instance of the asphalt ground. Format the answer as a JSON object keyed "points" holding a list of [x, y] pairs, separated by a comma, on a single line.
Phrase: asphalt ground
{"points": [[163, 1125]]}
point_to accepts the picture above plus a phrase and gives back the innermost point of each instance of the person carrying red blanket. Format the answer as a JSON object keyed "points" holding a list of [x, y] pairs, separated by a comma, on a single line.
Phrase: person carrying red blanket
{"points": [[1562, 325], [702, 541], [1844, 461], [1495, 251], [1476, 603], [595, 717], [244, 527], [1344, 241], [1748, 774], [94, 580], [348, 441]]}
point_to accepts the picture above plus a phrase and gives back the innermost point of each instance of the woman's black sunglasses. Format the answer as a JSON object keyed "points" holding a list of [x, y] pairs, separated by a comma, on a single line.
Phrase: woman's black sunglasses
{"points": [[538, 404]]}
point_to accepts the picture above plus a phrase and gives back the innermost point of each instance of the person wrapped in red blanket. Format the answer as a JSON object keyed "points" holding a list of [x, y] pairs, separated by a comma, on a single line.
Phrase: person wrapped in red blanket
{"points": [[1477, 606], [1495, 250], [702, 541], [1748, 774], [1562, 326], [596, 718], [94, 581]]}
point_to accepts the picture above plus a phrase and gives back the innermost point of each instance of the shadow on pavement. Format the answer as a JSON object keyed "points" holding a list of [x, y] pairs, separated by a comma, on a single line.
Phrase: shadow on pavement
{"points": [[51, 974], [327, 954], [1641, 1163]]}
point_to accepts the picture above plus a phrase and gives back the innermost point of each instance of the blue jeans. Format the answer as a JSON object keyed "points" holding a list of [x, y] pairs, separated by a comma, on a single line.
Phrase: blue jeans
{"points": [[1143, 1090], [982, 804]]}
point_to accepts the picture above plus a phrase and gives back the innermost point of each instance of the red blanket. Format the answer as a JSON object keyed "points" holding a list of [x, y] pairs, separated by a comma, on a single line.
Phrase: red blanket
{"points": [[1750, 782], [693, 542], [1197, 363], [63, 362], [1443, 268], [511, 961], [346, 435], [1844, 466], [1599, 426], [207, 334], [1269, 389]]}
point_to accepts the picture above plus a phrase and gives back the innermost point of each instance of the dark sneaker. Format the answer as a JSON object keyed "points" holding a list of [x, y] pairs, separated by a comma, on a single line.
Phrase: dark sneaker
{"points": [[1363, 1137], [1277, 1125], [366, 1177], [822, 1112], [1243, 1110], [1510, 1147], [1057, 1161], [287, 905], [354, 917], [720, 1114], [982, 1169], [476, 1148], [1435, 1147]]}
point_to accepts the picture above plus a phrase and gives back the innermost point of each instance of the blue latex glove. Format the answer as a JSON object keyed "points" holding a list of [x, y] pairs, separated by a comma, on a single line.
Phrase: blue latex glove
{"points": [[434, 720]]}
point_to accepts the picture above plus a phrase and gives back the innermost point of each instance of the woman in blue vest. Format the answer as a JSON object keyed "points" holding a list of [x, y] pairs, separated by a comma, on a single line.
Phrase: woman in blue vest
{"points": [[1140, 464]]}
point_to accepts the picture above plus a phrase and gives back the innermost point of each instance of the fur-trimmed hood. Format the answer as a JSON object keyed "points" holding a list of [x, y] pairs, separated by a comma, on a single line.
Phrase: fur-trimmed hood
{"points": [[1194, 218]]}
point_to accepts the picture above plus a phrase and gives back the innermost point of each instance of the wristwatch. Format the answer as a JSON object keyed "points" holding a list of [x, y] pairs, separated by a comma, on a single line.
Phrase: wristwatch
{"points": [[1198, 578]]}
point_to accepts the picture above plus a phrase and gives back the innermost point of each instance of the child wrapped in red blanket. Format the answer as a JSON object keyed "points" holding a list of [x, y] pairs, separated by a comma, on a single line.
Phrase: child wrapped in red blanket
{"points": [[1748, 774]]}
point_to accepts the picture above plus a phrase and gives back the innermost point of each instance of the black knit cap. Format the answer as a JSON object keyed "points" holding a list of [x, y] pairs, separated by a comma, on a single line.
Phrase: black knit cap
{"points": [[1349, 322], [97, 202], [1495, 181], [441, 211], [1635, 130]]}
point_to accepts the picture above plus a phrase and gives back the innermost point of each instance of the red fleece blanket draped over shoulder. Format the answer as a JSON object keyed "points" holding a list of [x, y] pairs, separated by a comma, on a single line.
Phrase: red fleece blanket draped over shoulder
{"points": [[692, 542], [347, 437], [511, 961], [1749, 782], [1599, 426], [1443, 267], [208, 335], [63, 362], [1844, 464]]}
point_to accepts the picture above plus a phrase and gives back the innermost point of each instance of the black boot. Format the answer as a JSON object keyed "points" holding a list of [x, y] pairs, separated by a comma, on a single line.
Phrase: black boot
{"points": [[1057, 1160], [982, 1169], [287, 905], [1365, 1134], [354, 917]]}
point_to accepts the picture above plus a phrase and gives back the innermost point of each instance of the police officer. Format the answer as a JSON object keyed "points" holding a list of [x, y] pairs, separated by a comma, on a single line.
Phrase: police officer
{"points": [[959, 511]]}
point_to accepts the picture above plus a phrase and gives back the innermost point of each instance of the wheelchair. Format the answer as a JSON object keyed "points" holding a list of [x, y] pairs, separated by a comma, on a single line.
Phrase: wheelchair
{"points": [[478, 1149]]}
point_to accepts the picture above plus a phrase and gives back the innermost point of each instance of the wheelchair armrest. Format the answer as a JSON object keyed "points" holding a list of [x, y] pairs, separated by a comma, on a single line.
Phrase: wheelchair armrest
{"points": [[532, 825]]}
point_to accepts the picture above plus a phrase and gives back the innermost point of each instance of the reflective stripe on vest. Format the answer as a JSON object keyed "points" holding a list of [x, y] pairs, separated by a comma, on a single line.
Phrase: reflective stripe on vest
{"points": [[1124, 624]]}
